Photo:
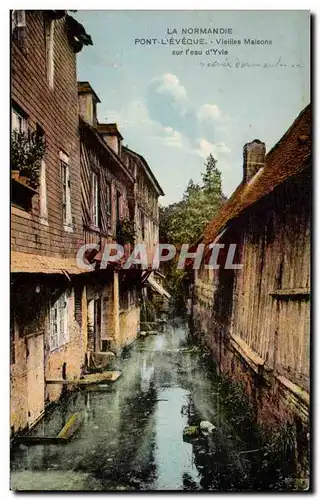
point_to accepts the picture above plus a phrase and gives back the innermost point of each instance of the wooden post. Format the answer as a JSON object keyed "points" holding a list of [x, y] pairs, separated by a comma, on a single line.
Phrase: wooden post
{"points": [[90, 344], [116, 308], [84, 329]]}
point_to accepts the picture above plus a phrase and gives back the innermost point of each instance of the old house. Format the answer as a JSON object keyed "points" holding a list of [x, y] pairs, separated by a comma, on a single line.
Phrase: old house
{"points": [[69, 187], [145, 196], [256, 318], [46, 221], [106, 184]]}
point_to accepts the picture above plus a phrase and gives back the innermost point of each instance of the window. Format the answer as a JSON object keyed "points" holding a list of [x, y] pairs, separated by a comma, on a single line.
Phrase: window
{"points": [[109, 203], [155, 233], [142, 223], [49, 30], [43, 195], [21, 191], [66, 195], [95, 199], [18, 26], [59, 327], [43, 211], [132, 297], [123, 296], [118, 206], [18, 121], [108, 198], [78, 304]]}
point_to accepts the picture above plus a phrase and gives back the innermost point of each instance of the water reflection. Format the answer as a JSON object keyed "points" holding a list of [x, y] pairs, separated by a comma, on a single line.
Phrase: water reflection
{"points": [[131, 437]]}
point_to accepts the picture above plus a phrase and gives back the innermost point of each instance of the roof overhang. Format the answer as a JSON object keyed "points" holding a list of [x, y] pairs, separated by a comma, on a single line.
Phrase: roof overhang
{"points": [[157, 287], [147, 170], [109, 129], [31, 263], [85, 88], [104, 145]]}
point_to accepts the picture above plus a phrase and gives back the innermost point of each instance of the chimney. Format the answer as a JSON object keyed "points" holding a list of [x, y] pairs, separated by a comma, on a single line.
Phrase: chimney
{"points": [[253, 158], [111, 135], [88, 100]]}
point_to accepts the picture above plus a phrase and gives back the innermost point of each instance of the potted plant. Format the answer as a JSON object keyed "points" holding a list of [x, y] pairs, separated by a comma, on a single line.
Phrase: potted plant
{"points": [[27, 151], [125, 231]]}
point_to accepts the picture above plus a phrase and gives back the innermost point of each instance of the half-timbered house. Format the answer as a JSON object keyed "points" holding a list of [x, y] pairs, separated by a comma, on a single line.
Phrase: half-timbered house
{"points": [[106, 186]]}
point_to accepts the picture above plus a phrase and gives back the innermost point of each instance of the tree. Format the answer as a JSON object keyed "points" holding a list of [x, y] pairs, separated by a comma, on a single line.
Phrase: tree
{"points": [[185, 221], [212, 178], [191, 190]]}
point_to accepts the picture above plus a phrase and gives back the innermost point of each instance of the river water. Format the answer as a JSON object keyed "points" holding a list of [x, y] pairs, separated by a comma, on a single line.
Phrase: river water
{"points": [[132, 432]]}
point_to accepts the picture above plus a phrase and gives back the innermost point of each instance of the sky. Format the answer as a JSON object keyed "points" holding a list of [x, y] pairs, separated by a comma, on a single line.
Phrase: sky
{"points": [[175, 108]]}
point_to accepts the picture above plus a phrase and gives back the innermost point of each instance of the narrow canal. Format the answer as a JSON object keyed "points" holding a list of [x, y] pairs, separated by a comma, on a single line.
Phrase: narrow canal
{"points": [[132, 432]]}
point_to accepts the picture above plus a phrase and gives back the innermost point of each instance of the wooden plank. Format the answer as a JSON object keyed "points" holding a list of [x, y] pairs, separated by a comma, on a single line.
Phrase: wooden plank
{"points": [[291, 291], [34, 440], [295, 389], [250, 356], [70, 428], [92, 378]]}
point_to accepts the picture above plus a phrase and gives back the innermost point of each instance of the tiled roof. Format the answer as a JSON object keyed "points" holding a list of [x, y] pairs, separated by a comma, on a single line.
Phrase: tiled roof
{"points": [[288, 157]]}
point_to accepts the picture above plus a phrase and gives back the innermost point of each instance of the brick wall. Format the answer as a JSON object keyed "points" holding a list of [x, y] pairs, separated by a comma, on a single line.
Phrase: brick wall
{"points": [[56, 111]]}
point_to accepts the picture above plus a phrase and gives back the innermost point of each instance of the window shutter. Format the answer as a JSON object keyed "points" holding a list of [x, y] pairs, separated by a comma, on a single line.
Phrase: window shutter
{"points": [[68, 200], [61, 321], [78, 305], [43, 192], [95, 199], [54, 327], [66, 318]]}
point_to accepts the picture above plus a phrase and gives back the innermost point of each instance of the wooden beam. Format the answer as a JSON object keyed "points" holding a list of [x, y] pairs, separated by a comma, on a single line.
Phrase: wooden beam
{"points": [[289, 292], [92, 378], [66, 433], [249, 355], [40, 440], [295, 389], [70, 427]]}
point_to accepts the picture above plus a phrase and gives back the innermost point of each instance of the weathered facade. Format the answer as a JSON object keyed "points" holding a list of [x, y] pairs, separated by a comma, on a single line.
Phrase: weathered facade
{"points": [[106, 185], [46, 221], [70, 187], [145, 212], [255, 319], [145, 195]]}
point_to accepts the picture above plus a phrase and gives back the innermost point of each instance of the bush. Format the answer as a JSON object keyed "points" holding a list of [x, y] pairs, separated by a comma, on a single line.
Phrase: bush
{"points": [[27, 151]]}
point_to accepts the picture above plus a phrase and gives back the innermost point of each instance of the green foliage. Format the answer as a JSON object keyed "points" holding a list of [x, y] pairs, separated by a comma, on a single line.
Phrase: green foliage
{"points": [[27, 151], [185, 221], [125, 231]]}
